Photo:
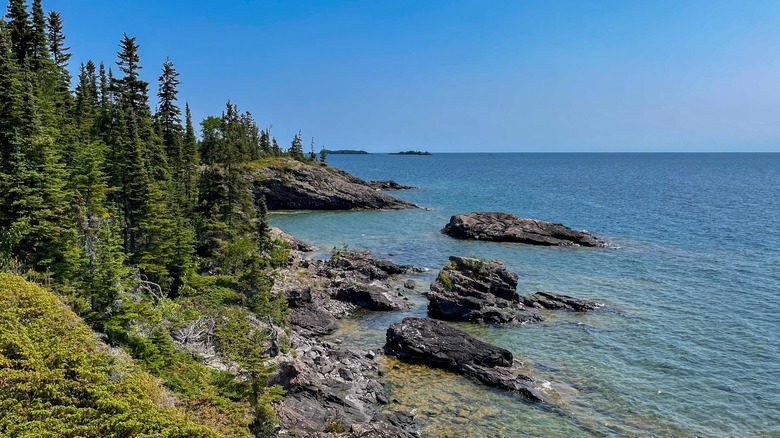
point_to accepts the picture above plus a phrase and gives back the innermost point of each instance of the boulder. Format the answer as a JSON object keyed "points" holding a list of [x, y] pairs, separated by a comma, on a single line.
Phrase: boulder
{"points": [[434, 343], [292, 185], [311, 319], [470, 289], [369, 296], [506, 227]]}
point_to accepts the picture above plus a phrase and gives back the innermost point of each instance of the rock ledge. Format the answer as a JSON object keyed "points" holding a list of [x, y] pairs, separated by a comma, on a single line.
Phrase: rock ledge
{"points": [[506, 227]]}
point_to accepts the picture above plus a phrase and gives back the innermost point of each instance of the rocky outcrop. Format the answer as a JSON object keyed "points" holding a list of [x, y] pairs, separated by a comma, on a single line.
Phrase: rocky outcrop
{"points": [[321, 291], [331, 391], [506, 227], [292, 185], [434, 343], [389, 185], [553, 301], [334, 392], [295, 244], [470, 289]]}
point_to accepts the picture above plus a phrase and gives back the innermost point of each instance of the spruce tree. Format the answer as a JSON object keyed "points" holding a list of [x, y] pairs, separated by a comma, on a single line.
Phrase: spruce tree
{"points": [[296, 147], [132, 89], [39, 41], [58, 51], [265, 142], [190, 159], [169, 114], [20, 30]]}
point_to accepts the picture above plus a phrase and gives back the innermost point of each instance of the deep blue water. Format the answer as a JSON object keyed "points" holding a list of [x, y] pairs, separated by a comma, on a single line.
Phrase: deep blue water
{"points": [[688, 343]]}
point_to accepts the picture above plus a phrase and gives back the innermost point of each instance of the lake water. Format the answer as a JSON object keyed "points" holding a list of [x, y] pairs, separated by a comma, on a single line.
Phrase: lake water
{"points": [[688, 343]]}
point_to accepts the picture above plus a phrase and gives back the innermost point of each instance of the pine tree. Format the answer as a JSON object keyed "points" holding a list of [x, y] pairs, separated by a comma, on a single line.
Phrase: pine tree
{"points": [[265, 142], [190, 159], [323, 155], [169, 114], [296, 147], [39, 42], [312, 153], [132, 89], [20, 30], [59, 52]]}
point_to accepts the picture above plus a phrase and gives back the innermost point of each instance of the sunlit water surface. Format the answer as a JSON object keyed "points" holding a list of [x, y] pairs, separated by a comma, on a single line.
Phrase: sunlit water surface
{"points": [[688, 343]]}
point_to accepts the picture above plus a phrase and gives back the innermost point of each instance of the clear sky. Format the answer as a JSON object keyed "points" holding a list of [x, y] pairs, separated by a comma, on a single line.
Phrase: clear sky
{"points": [[466, 75]]}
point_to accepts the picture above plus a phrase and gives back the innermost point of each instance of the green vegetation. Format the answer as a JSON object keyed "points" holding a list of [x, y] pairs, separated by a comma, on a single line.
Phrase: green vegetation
{"points": [[445, 280], [151, 236], [57, 380]]}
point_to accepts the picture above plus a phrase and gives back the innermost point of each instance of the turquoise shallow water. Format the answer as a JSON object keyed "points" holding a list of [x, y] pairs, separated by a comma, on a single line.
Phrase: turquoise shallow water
{"points": [[689, 341]]}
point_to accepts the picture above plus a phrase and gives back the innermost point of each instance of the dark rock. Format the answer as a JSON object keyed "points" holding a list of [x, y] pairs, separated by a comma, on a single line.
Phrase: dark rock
{"points": [[389, 185], [314, 320], [506, 227], [553, 301], [504, 379], [332, 389], [410, 284], [434, 343], [338, 285], [368, 296], [470, 289], [292, 185]]}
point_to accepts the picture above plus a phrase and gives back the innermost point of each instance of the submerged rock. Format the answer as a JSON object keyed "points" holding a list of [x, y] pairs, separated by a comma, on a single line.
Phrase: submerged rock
{"points": [[434, 343], [506, 227], [389, 185], [553, 301], [292, 185], [470, 289]]}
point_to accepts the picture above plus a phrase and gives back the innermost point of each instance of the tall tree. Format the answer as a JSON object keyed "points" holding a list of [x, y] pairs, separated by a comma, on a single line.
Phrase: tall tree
{"points": [[296, 147], [39, 41], [265, 142], [190, 158], [132, 89], [20, 29], [169, 114], [60, 53]]}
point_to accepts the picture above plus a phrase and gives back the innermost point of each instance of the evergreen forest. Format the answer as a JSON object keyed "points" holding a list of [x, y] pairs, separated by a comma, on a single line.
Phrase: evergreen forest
{"points": [[146, 231]]}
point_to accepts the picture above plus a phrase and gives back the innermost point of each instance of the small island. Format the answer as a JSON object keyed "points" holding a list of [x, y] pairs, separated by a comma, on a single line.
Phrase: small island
{"points": [[345, 152], [411, 153]]}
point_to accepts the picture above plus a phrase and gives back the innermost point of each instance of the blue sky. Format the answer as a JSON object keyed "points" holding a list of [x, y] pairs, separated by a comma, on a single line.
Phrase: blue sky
{"points": [[467, 75]]}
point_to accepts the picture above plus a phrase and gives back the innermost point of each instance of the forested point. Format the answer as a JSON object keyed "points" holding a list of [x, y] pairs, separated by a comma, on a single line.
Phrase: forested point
{"points": [[148, 233]]}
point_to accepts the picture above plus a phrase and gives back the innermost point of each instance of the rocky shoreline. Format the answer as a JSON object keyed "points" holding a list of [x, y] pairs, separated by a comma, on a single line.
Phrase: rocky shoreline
{"points": [[292, 185], [333, 391]]}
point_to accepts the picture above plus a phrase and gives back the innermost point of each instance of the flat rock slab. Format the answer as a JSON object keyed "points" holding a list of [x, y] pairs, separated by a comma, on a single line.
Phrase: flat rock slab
{"points": [[506, 227], [434, 343]]}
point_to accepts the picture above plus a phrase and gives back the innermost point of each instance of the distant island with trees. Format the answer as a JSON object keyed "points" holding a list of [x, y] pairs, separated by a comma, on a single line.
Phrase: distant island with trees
{"points": [[346, 152], [411, 153]]}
